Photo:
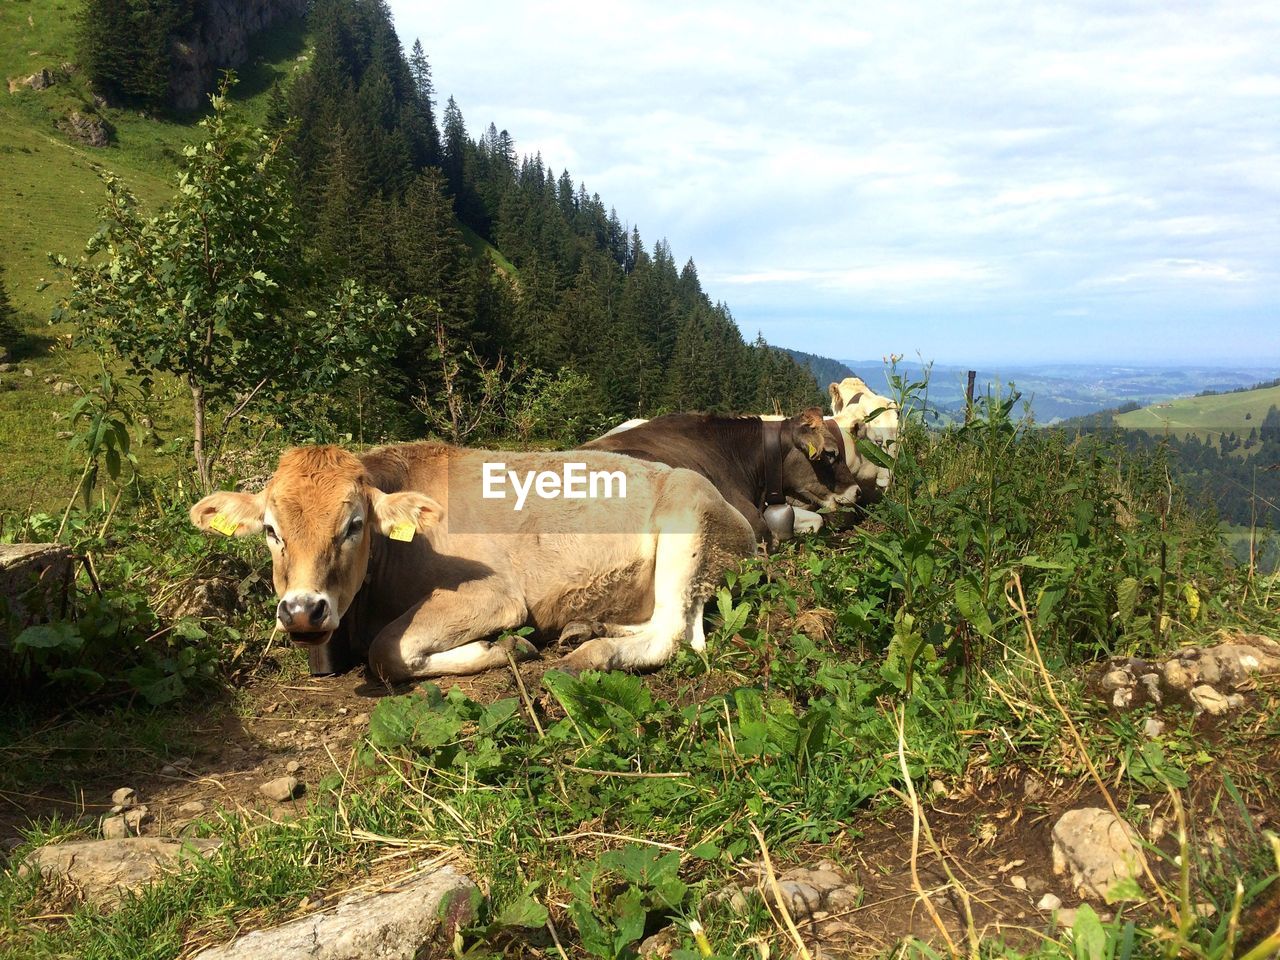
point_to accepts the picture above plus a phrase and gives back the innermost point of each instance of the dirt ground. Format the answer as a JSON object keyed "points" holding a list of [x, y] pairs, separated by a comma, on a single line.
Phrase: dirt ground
{"points": [[993, 825]]}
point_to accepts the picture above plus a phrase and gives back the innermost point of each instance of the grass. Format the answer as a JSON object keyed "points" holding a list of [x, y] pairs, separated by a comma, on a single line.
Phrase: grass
{"points": [[605, 806], [1206, 417], [49, 200]]}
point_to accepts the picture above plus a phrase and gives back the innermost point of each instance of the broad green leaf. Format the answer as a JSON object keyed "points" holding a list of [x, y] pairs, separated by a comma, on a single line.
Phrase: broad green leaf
{"points": [[1127, 599], [1088, 936], [969, 603], [50, 636], [524, 912]]}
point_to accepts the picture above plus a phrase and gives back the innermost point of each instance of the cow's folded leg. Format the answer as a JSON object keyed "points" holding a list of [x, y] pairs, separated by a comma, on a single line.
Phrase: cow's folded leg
{"points": [[473, 657], [447, 633]]}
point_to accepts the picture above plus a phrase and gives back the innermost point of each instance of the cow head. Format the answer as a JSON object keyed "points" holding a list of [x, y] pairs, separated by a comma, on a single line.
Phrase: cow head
{"points": [[320, 513], [815, 470], [861, 412]]}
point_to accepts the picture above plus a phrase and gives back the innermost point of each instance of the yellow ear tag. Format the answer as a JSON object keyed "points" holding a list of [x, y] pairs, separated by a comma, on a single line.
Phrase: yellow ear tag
{"points": [[224, 525], [813, 451], [401, 531]]}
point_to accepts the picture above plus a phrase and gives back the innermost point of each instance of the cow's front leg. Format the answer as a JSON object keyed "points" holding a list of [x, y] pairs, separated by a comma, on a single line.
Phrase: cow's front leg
{"points": [[448, 633]]}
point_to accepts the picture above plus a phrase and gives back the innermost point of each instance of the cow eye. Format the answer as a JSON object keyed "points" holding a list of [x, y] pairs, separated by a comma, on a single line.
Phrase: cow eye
{"points": [[354, 527], [270, 531]]}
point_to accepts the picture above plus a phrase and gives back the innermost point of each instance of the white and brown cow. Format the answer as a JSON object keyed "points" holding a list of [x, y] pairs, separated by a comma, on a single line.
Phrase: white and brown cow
{"points": [[410, 553]]}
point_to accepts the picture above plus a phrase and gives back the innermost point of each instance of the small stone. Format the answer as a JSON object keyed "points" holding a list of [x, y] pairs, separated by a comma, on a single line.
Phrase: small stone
{"points": [[343, 711], [1152, 728], [1116, 680], [1151, 681], [938, 788], [1097, 849], [281, 789], [114, 828], [125, 797], [1235, 701], [1209, 700], [135, 817], [1176, 676], [1049, 903], [192, 808], [28, 372], [1067, 917], [360, 720], [1018, 883], [169, 770], [1205, 910], [1122, 698], [292, 766]]}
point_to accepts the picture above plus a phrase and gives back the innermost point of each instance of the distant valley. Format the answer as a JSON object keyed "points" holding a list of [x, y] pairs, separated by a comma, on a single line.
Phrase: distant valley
{"points": [[1057, 392]]}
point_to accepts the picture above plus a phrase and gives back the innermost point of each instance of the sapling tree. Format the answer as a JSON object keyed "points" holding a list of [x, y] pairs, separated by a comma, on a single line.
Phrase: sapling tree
{"points": [[216, 289]]}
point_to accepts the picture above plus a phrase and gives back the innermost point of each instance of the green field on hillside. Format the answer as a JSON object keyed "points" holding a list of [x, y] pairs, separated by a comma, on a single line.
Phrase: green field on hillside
{"points": [[50, 194], [1208, 417]]}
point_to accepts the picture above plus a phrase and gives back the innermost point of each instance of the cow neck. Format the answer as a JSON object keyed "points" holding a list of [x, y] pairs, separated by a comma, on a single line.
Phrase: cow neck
{"points": [[833, 428], [773, 456]]}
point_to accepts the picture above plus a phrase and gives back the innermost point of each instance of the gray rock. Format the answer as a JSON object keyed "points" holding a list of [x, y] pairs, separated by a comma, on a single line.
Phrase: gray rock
{"points": [[281, 789], [125, 797], [1152, 728], [1018, 883], [114, 828], [1097, 850], [393, 925], [7, 368], [192, 808], [1151, 682], [1209, 700], [1116, 680], [169, 770], [293, 766], [135, 817], [85, 129], [33, 579], [103, 869], [1177, 677], [1049, 903]]}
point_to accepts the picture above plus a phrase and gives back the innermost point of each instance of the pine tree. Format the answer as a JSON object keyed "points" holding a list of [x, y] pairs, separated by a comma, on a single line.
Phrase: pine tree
{"points": [[9, 332]]}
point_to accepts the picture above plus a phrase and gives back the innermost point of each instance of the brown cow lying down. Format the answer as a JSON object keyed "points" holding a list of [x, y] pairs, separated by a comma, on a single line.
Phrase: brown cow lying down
{"points": [[751, 460], [430, 551]]}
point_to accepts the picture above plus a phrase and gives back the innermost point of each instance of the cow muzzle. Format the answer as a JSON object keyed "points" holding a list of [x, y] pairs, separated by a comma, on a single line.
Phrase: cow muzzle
{"points": [[308, 618]]}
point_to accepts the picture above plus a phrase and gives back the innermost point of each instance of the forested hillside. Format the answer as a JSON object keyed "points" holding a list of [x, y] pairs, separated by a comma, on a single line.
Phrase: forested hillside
{"points": [[1237, 473], [402, 196]]}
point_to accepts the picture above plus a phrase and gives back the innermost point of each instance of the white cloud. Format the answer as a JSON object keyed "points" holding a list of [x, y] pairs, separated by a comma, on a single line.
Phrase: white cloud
{"points": [[958, 163]]}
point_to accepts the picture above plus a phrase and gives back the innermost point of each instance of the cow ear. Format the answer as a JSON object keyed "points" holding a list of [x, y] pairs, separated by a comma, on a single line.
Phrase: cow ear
{"points": [[837, 402], [810, 434], [396, 510], [230, 513]]}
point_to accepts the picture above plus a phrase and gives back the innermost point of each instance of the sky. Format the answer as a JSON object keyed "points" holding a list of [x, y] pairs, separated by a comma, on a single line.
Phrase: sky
{"points": [[973, 182]]}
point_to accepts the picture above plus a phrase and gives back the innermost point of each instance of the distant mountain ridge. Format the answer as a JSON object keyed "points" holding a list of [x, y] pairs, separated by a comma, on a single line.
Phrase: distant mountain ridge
{"points": [[824, 369], [1058, 391]]}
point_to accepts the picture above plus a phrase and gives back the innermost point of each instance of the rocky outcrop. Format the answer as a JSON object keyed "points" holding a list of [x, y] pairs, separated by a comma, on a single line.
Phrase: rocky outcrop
{"points": [[220, 39], [1195, 676], [394, 924], [102, 870], [85, 128]]}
